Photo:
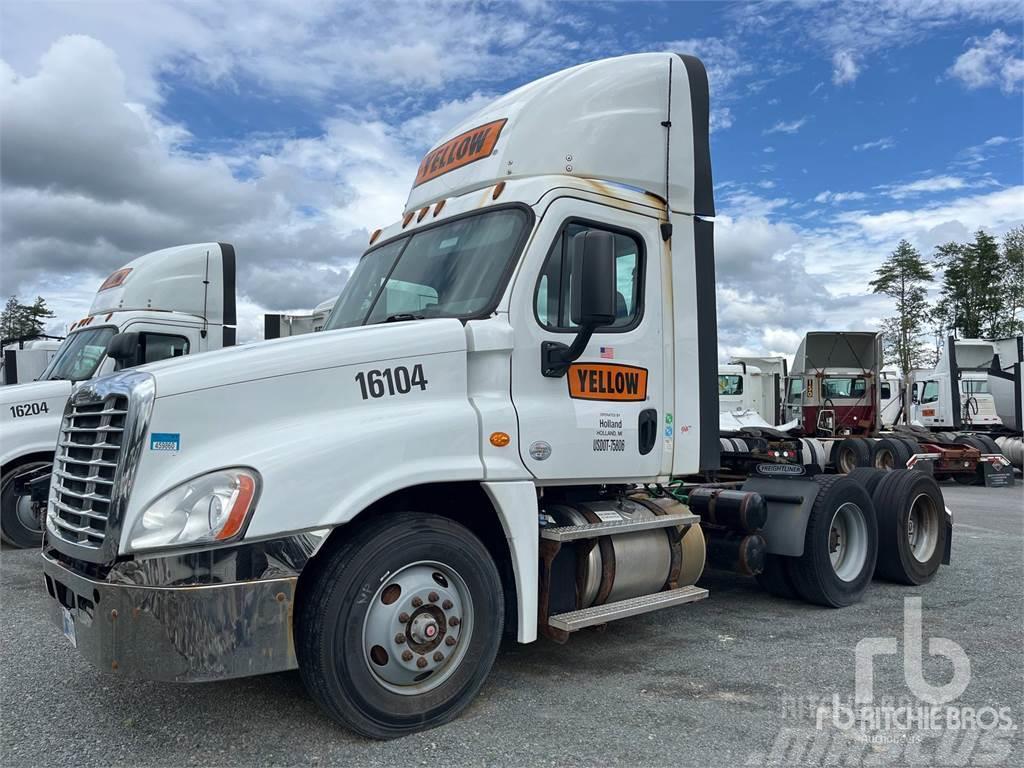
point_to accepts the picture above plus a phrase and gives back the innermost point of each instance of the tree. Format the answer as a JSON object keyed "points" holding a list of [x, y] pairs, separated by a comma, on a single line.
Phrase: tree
{"points": [[22, 320], [1012, 321], [903, 277], [972, 301]]}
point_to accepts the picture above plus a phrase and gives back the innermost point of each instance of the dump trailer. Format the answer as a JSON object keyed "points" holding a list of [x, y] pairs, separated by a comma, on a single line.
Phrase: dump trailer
{"points": [[168, 303], [494, 430], [25, 359]]}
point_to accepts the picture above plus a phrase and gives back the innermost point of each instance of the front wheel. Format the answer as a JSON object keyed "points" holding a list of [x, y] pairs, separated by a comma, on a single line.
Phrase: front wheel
{"points": [[400, 626], [21, 521]]}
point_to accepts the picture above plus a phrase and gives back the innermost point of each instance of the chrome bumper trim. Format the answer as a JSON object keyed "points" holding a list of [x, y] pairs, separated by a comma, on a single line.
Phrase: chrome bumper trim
{"points": [[179, 634]]}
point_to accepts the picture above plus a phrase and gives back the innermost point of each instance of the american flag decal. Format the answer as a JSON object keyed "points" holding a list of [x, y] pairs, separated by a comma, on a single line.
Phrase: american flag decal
{"points": [[607, 353]]}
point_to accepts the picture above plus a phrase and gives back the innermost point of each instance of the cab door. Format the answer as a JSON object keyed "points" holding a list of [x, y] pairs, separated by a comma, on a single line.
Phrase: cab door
{"points": [[604, 419]]}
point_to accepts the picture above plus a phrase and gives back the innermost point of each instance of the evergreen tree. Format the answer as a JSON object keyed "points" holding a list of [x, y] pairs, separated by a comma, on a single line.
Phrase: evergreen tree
{"points": [[1012, 321], [24, 320], [972, 300], [903, 277]]}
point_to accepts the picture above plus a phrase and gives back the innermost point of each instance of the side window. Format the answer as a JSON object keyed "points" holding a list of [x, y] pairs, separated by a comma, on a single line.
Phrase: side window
{"points": [[886, 390], [931, 392], [730, 384], [795, 392], [160, 346], [551, 301]]}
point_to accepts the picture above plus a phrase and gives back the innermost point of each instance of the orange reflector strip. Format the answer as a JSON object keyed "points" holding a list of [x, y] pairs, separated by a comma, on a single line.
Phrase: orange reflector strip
{"points": [[115, 279], [499, 439], [438, 207], [240, 507], [498, 189], [374, 236]]}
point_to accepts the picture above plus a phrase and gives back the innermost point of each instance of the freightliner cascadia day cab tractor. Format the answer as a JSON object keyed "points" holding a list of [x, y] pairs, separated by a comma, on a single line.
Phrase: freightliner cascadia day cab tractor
{"points": [[495, 429], [168, 303]]}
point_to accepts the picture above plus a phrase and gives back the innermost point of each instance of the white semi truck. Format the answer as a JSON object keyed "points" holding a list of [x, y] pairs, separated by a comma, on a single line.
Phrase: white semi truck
{"points": [[956, 395], [168, 303], [280, 326], [26, 359], [493, 430]]}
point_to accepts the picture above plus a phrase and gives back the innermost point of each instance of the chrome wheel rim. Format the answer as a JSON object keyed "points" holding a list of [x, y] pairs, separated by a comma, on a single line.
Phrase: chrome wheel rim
{"points": [[29, 519], [923, 528], [848, 541], [847, 460], [884, 459], [417, 627]]}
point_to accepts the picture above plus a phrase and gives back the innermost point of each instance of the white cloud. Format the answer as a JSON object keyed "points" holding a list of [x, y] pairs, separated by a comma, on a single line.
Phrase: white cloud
{"points": [[991, 60], [844, 67], [838, 197], [930, 185], [786, 127], [886, 142]]}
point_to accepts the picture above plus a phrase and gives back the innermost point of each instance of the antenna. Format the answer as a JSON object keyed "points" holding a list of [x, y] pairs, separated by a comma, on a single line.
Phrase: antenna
{"points": [[666, 226], [206, 291]]}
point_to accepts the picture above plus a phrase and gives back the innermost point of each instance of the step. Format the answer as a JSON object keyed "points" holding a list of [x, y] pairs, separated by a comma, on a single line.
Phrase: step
{"points": [[601, 614], [591, 530]]}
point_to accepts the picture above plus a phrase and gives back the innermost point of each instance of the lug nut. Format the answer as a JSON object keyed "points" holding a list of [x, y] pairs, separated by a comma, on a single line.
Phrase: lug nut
{"points": [[447, 605], [421, 662], [417, 602], [449, 641], [438, 656], [432, 597], [403, 617], [453, 621], [399, 638], [406, 655]]}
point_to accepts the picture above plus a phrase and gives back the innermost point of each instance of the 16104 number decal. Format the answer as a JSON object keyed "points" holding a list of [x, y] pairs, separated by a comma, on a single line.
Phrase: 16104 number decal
{"points": [[390, 381], [29, 409]]}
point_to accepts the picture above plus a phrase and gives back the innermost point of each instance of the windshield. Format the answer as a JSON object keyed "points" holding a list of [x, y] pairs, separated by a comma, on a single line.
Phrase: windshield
{"points": [[452, 270], [729, 384], [845, 387], [80, 354], [974, 386]]}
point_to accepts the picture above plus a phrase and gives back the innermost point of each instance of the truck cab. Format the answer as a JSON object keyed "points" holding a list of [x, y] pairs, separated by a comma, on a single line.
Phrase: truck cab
{"points": [[956, 394], [833, 388], [169, 303], [493, 430], [25, 360]]}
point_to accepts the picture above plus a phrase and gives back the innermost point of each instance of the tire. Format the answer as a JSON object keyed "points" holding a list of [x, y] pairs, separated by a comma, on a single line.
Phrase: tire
{"points": [[911, 527], [890, 453], [850, 453], [18, 528], [989, 443], [837, 576], [774, 579], [868, 477], [978, 478], [348, 646]]}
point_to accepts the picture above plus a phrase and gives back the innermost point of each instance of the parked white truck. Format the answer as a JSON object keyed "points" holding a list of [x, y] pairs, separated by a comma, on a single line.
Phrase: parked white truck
{"points": [[172, 302], [485, 435], [26, 359]]}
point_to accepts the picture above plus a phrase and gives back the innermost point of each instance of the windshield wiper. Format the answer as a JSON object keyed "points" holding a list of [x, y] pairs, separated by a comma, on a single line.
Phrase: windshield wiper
{"points": [[401, 317]]}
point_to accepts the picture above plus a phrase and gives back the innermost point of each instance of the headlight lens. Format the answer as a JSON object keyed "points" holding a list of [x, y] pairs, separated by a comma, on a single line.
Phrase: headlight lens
{"points": [[211, 507]]}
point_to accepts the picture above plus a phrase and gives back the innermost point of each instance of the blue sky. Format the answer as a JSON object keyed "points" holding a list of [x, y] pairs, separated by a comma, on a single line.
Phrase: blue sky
{"points": [[293, 130]]}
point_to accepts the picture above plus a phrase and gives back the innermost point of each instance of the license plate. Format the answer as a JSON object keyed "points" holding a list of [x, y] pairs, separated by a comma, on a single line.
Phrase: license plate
{"points": [[69, 626]]}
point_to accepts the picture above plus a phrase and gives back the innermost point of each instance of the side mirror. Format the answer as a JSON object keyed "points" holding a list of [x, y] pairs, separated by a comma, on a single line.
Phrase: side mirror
{"points": [[592, 290], [124, 349], [592, 295]]}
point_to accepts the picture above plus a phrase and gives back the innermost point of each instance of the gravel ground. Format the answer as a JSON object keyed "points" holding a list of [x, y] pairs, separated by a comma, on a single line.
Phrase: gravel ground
{"points": [[733, 680]]}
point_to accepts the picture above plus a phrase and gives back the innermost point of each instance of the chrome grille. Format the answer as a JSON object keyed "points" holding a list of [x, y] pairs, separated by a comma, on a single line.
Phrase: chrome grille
{"points": [[82, 488]]}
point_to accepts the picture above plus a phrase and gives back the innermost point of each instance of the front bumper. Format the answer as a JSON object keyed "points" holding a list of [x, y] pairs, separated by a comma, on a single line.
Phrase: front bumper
{"points": [[177, 633]]}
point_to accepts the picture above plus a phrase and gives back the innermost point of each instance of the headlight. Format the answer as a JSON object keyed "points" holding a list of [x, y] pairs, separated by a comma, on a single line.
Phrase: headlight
{"points": [[211, 507]]}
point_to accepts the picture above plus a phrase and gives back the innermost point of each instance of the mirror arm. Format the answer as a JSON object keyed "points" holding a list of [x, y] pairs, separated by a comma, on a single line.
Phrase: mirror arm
{"points": [[555, 357]]}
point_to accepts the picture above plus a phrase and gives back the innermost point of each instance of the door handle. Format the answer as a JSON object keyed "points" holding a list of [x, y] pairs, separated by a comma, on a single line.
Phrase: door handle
{"points": [[648, 430]]}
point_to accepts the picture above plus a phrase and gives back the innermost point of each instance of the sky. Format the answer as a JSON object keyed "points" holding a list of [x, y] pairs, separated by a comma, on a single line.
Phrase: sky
{"points": [[293, 130]]}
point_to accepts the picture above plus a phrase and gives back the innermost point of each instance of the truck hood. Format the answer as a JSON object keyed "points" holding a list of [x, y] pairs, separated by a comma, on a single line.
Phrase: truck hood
{"points": [[370, 344], [33, 391]]}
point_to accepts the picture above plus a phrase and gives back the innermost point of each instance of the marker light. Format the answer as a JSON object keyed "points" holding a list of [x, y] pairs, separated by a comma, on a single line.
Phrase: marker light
{"points": [[498, 189], [422, 213], [374, 236], [438, 207], [499, 439], [115, 279], [407, 218], [211, 507]]}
